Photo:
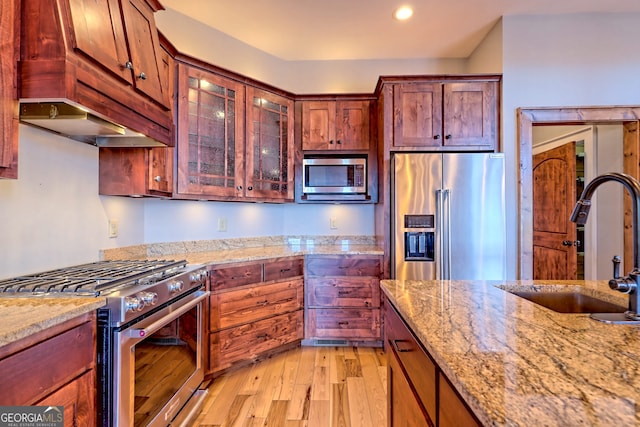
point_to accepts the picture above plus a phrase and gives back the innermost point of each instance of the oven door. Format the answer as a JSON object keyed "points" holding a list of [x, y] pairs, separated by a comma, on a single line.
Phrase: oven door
{"points": [[158, 363]]}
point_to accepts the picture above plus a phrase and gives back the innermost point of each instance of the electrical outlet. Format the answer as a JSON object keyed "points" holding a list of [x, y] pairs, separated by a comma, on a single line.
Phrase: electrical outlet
{"points": [[333, 223], [222, 224], [113, 228]]}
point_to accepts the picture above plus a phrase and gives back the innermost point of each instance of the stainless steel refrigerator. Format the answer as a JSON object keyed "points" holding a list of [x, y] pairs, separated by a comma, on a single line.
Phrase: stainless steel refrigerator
{"points": [[448, 216]]}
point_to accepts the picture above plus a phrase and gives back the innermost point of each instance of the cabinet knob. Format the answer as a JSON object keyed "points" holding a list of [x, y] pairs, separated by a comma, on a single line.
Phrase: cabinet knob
{"points": [[447, 137], [339, 142], [142, 76], [250, 188], [239, 187], [436, 136], [331, 141], [128, 65], [157, 178]]}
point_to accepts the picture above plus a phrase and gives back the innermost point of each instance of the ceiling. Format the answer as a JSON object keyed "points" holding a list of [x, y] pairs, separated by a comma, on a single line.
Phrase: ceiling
{"points": [[299, 30]]}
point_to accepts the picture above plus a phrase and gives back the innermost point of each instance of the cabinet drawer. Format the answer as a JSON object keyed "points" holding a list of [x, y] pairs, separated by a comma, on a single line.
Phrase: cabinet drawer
{"points": [[343, 265], [241, 306], [40, 369], [343, 323], [283, 269], [248, 341], [343, 292], [417, 364], [234, 276]]}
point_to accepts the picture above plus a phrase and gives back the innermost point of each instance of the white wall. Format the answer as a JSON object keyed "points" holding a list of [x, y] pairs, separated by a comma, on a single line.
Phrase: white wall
{"points": [[565, 60], [52, 215]]}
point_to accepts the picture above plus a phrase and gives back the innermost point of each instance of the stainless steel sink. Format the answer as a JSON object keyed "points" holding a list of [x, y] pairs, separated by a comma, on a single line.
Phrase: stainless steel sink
{"points": [[570, 302], [567, 298]]}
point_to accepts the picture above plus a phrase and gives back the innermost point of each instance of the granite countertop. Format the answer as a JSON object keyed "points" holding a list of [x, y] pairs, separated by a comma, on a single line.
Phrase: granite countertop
{"points": [[516, 363], [22, 317]]}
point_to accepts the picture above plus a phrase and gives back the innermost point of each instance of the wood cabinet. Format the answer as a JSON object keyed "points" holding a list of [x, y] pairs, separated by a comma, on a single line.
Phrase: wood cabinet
{"points": [[448, 115], [136, 171], [269, 149], [419, 393], [10, 35], [342, 299], [255, 309], [336, 125], [235, 141], [103, 55], [54, 367]]}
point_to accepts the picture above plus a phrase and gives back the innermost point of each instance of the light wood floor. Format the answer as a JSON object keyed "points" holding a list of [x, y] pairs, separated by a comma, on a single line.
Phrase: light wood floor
{"points": [[304, 387]]}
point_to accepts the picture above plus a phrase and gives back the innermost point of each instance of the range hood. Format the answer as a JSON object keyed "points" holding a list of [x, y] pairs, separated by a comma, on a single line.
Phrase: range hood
{"points": [[81, 125]]}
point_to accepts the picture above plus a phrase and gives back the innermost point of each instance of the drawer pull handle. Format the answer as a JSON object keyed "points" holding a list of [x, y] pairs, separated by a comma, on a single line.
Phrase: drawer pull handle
{"points": [[284, 270], [396, 345], [262, 336], [239, 277], [343, 323], [344, 292], [265, 302]]}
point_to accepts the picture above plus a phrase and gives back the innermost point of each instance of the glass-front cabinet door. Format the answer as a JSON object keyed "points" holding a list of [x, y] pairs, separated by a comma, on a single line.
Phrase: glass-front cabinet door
{"points": [[210, 135], [269, 162]]}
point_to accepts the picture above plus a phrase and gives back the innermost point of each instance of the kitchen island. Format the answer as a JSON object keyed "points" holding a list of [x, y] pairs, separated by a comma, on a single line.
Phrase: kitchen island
{"points": [[516, 363]]}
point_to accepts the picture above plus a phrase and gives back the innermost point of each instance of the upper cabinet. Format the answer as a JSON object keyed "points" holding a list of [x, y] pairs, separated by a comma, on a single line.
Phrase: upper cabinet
{"points": [[269, 149], [336, 125], [210, 135], [446, 115], [10, 35], [235, 142], [103, 55]]}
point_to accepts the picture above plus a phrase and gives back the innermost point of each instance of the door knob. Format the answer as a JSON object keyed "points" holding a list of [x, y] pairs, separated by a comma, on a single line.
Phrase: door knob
{"points": [[567, 243]]}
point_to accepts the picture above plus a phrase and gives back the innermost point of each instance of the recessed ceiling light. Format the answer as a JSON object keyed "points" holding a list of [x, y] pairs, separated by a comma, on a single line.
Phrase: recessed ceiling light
{"points": [[403, 13]]}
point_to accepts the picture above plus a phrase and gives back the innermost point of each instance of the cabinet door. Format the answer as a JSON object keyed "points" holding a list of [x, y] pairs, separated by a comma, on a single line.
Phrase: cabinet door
{"points": [[98, 33], [77, 398], [144, 50], [352, 125], [318, 125], [452, 412], [210, 134], [403, 407], [269, 149], [470, 114], [417, 115], [160, 170], [10, 35]]}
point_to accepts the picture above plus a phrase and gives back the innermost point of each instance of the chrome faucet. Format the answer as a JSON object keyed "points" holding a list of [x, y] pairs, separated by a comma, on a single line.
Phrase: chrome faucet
{"points": [[630, 284]]}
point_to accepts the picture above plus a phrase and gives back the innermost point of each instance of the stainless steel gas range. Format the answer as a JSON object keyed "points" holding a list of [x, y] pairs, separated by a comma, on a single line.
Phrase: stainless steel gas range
{"points": [[149, 334]]}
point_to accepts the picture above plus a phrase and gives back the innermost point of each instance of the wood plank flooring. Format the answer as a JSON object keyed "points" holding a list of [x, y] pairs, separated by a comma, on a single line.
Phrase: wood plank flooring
{"points": [[303, 387]]}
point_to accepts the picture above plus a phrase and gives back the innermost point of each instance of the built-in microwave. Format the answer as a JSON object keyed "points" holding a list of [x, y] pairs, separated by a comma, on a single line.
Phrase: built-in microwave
{"points": [[334, 175]]}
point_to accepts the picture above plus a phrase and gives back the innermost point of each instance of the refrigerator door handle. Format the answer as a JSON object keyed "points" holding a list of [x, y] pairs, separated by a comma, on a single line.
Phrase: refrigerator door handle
{"points": [[447, 198], [440, 234]]}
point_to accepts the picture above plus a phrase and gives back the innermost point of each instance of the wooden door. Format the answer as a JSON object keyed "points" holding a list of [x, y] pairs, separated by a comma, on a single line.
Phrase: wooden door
{"points": [[554, 197], [318, 125], [352, 125], [210, 134], [417, 115], [144, 50], [469, 114], [10, 34], [98, 33], [269, 139]]}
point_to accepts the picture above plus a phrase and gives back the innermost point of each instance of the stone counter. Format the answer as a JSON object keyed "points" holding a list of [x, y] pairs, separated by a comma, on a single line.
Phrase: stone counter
{"points": [[21, 317], [516, 363]]}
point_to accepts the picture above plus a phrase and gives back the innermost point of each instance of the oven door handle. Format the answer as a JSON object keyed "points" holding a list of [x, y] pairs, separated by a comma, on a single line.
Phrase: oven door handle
{"points": [[157, 325]]}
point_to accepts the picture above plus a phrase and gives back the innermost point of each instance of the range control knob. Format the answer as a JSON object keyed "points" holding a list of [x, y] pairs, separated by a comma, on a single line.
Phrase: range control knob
{"points": [[176, 286], [133, 304], [198, 276], [148, 298]]}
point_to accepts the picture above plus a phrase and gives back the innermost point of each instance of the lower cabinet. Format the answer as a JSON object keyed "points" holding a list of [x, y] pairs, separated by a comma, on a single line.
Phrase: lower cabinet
{"points": [[54, 367], [255, 309], [419, 393], [342, 299]]}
